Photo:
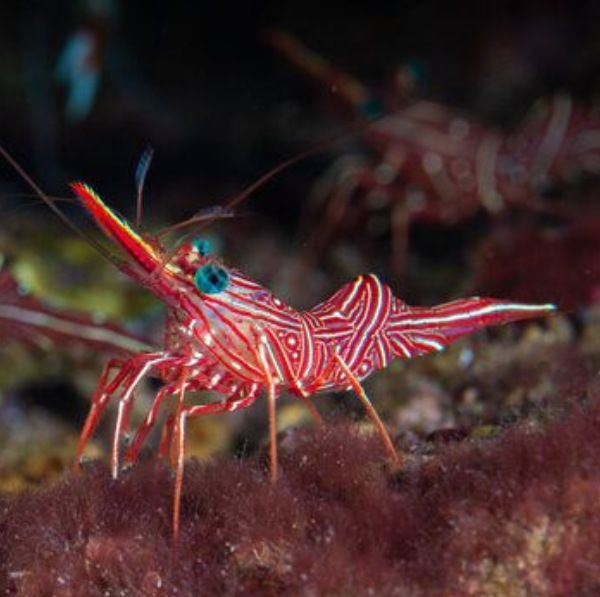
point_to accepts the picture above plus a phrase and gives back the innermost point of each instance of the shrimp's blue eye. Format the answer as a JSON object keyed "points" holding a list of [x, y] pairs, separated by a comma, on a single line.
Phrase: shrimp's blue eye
{"points": [[202, 246], [211, 279]]}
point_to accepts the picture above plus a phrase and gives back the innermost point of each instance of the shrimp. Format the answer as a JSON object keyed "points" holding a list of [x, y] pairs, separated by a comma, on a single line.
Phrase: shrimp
{"points": [[226, 333], [431, 163]]}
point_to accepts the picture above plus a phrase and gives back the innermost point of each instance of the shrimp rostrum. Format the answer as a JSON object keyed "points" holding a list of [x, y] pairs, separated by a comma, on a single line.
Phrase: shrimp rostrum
{"points": [[228, 334]]}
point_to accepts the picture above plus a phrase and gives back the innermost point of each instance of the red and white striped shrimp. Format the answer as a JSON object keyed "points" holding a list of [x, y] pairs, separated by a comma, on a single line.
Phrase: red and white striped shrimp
{"points": [[227, 333], [431, 163]]}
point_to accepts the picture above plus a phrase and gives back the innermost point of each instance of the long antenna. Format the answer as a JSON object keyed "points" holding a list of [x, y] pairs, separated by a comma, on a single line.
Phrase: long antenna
{"points": [[216, 212], [359, 125], [51, 204]]}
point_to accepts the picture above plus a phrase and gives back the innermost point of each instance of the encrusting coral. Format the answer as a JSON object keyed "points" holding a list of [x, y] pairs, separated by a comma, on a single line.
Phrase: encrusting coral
{"points": [[512, 515]]}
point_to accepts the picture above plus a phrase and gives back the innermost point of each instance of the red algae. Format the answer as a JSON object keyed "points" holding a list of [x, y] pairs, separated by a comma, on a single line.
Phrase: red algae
{"points": [[516, 514]]}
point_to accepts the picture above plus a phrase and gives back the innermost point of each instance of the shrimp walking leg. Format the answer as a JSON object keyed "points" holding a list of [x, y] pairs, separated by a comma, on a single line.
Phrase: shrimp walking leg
{"points": [[387, 440], [124, 378], [99, 403], [178, 448], [124, 409], [146, 426], [272, 397]]}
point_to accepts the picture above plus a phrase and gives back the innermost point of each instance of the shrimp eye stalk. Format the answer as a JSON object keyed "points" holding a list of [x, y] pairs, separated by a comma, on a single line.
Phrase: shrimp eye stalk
{"points": [[202, 246]]}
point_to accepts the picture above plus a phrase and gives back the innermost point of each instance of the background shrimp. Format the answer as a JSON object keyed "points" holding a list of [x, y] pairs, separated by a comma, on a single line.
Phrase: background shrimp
{"points": [[425, 161]]}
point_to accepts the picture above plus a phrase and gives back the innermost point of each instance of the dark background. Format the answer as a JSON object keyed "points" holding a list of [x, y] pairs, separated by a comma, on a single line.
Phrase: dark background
{"points": [[197, 82]]}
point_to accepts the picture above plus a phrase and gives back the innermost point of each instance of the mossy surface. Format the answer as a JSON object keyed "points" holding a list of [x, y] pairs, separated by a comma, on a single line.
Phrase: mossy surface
{"points": [[512, 515]]}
